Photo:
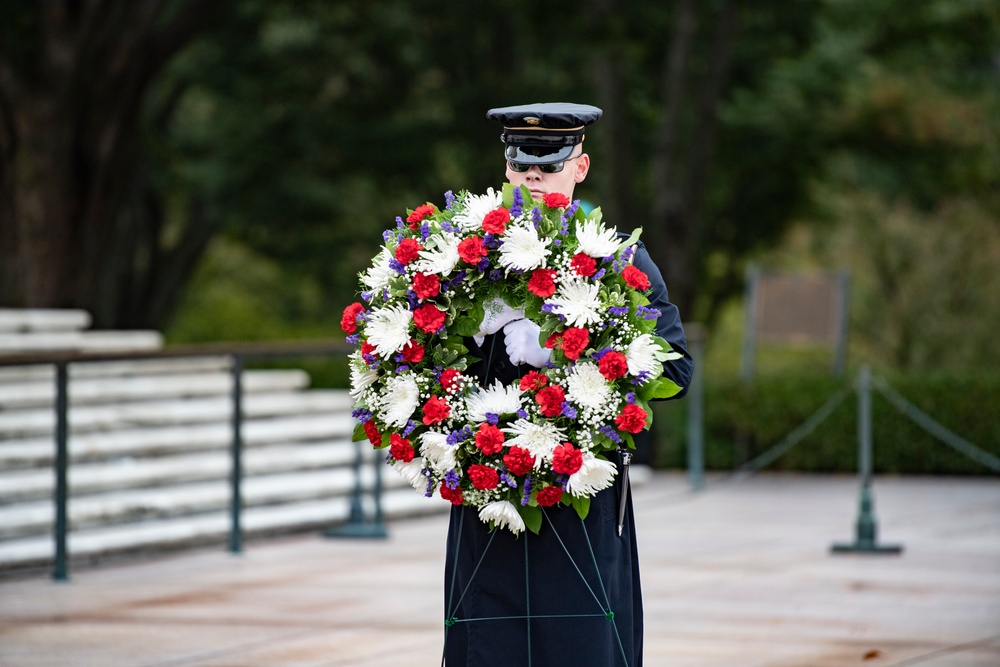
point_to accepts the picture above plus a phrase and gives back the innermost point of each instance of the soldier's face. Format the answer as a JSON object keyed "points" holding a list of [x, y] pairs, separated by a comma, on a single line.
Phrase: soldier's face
{"points": [[564, 182]]}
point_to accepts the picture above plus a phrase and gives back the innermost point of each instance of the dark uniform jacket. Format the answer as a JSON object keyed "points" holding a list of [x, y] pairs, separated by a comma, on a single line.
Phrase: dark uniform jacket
{"points": [[569, 596]]}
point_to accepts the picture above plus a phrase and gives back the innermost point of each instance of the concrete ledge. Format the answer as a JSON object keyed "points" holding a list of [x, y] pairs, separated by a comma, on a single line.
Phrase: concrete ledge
{"points": [[80, 341], [42, 319], [43, 373]]}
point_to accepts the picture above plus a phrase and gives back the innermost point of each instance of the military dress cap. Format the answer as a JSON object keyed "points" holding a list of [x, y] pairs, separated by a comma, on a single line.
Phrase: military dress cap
{"points": [[543, 133]]}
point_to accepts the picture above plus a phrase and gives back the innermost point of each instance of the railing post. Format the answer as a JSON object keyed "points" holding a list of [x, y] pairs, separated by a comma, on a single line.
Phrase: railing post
{"points": [[236, 475], [866, 527], [60, 570], [695, 401]]}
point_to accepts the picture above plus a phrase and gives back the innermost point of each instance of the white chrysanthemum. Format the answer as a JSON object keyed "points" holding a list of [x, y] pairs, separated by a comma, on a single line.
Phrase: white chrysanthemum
{"points": [[596, 241], [497, 400], [644, 355], [539, 439], [503, 514], [594, 475], [362, 377], [587, 388], [436, 450], [378, 276], [388, 329], [523, 249], [413, 472], [476, 208], [399, 400], [578, 302], [440, 255]]}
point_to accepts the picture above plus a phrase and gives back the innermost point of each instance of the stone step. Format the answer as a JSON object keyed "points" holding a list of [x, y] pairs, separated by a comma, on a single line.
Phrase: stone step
{"points": [[269, 419], [213, 527], [129, 473], [90, 391], [79, 341], [260, 392], [45, 373], [113, 507], [43, 319]]}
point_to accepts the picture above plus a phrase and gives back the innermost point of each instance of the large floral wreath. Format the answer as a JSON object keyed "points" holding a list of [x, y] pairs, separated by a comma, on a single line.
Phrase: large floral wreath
{"points": [[506, 449]]}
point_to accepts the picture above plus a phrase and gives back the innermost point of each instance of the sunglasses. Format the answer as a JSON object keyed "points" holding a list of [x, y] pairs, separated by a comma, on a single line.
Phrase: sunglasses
{"points": [[551, 168]]}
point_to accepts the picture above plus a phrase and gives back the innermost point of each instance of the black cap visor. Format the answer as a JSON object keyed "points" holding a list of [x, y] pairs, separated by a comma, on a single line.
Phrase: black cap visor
{"points": [[535, 149]]}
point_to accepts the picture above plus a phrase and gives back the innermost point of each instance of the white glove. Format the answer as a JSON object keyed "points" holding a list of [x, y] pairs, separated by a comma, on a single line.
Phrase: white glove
{"points": [[521, 337], [498, 313]]}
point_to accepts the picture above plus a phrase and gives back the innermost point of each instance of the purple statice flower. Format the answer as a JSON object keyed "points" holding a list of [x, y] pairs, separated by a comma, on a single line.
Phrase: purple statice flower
{"points": [[536, 217], [602, 352], [522, 414], [449, 198], [354, 338], [641, 378], [627, 254], [607, 430], [562, 480], [410, 425], [452, 480], [496, 274], [446, 226], [599, 274], [568, 410], [361, 415], [508, 479], [647, 313], [387, 235], [399, 222], [397, 266], [564, 230], [527, 490], [457, 280], [630, 397], [402, 369], [483, 264], [425, 230], [492, 418], [518, 205], [429, 492], [549, 308], [367, 296], [570, 211], [618, 311], [385, 294], [492, 241]]}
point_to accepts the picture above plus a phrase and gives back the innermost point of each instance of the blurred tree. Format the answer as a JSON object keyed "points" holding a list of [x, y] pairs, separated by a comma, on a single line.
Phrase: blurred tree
{"points": [[78, 223]]}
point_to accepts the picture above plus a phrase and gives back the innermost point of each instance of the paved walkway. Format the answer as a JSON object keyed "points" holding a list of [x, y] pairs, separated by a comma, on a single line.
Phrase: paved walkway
{"points": [[739, 575]]}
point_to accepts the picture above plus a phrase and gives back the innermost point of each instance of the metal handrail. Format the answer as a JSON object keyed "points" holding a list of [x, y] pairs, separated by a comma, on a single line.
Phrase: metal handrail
{"points": [[238, 352]]}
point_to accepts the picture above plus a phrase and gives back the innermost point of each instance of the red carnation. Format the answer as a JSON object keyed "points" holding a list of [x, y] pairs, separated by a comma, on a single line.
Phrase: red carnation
{"points": [[519, 461], [435, 410], [636, 278], [583, 264], [371, 430], [449, 379], [613, 365], [554, 340], [419, 213], [426, 285], [413, 352], [400, 448], [454, 496], [566, 459], [533, 381], [548, 496], [367, 348], [349, 321], [407, 251], [496, 221], [471, 250], [428, 318], [632, 418], [489, 439], [550, 400], [574, 342], [542, 282], [483, 477], [556, 200]]}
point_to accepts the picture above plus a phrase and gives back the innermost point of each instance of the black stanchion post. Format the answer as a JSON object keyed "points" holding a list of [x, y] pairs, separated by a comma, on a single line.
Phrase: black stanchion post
{"points": [[60, 569], [357, 525], [236, 475], [866, 527]]}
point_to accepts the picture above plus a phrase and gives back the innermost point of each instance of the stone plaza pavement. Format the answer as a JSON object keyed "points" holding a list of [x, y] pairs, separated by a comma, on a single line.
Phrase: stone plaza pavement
{"points": [[738, 575]]}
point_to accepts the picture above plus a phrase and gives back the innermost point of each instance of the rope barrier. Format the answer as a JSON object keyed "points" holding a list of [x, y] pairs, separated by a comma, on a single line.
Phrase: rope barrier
{"points": [[927, 423]]}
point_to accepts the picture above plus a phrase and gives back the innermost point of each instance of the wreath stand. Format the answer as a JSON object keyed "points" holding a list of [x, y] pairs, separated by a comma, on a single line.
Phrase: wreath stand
{"points": [[604, 607]]}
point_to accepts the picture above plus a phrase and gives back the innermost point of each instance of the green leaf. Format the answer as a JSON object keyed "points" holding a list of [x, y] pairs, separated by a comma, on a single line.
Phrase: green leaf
{"points": [[466, 326], [359, 433], [532, 517], [633, 238], [582, 506], [658, 389]]}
